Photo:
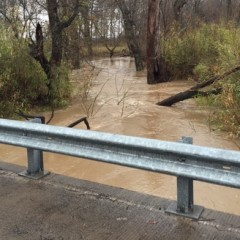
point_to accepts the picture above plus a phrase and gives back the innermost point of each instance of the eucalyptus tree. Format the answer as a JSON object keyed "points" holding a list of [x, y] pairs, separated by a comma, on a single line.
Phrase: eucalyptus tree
{"points": [[128, 9], [156, 67]]}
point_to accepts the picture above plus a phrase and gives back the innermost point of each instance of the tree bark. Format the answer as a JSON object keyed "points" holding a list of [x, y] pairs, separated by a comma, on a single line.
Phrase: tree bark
{"points": [[56, 28], [71, 36], [56, 32], [156, 68], [37, 51], [131, 37], [74, 46], [193, 91]]}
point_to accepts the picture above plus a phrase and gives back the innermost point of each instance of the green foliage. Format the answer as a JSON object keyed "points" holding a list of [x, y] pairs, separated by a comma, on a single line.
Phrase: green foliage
{"points": [[183, 51], [202, 71], [228, 116], [204, 52], [22, 81]]}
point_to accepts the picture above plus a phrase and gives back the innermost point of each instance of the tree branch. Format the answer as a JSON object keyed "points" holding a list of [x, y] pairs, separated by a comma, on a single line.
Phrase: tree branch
{"points": [[37, 51], [186, 95], [193, 91], [83, 119], [67, 23]]}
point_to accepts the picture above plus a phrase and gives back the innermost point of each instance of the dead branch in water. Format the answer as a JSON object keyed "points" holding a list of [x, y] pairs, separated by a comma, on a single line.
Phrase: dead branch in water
{"points": [[83, 119], [193, 91], [27, 117], [186, 95], [51, 117]]}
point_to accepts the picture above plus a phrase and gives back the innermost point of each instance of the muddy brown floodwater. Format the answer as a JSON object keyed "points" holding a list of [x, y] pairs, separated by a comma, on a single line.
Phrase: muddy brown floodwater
{"points": [[121, 102]]}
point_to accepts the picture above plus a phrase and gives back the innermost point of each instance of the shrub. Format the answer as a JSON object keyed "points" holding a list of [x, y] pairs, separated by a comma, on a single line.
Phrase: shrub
{"points": [[23, 83], [184, 51], [204, 52]]}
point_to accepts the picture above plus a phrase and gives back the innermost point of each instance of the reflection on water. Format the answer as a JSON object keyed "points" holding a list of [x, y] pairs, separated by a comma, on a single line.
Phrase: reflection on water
{"points": [[116, 63], [126, 105]]}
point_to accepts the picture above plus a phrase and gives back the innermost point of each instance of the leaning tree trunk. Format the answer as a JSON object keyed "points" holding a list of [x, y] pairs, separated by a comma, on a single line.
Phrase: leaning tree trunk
{"points": [[131, 37], [156, 69], [194, 91]]}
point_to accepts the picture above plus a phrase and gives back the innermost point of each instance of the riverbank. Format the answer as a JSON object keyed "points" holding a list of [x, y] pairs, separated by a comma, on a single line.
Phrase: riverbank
{"points": [[58, 207]]}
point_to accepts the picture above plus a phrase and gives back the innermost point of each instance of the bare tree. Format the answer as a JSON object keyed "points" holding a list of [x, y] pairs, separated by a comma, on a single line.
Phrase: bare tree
{"points": [[20, 15]]}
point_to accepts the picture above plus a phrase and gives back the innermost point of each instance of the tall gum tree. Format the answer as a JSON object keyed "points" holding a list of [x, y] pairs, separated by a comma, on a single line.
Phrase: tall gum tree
{"points": [[156, 67], [130, 34]]}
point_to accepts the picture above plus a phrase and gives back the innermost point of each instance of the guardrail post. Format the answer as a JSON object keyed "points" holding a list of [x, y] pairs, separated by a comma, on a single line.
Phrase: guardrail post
{"points": [[185, 204], [35, 161]]}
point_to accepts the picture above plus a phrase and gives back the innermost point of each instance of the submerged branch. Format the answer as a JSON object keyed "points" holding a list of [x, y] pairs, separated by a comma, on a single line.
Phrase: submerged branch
{"points": [[83, 119]]}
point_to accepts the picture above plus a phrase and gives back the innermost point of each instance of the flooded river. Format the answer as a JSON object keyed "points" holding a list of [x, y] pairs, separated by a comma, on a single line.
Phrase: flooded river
{"points": [[121, 102]]}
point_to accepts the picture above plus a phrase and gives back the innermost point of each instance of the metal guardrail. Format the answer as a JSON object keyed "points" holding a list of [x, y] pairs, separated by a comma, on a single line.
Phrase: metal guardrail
{"points": [[186, 161]]}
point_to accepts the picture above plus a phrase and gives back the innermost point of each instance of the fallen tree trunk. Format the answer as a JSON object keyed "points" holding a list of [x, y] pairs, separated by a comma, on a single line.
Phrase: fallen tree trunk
{"points": [[215, 79], [193, 91], [186, 95]]}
